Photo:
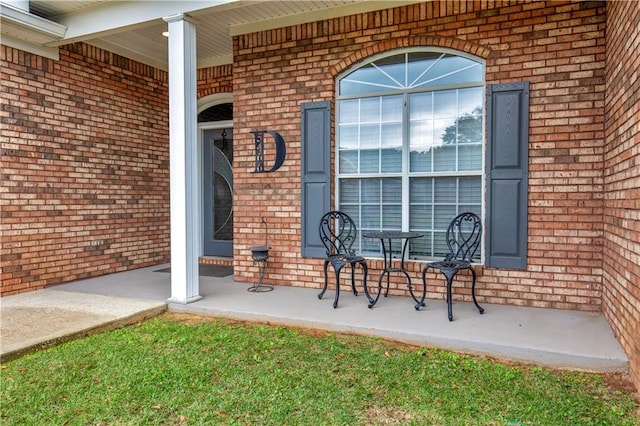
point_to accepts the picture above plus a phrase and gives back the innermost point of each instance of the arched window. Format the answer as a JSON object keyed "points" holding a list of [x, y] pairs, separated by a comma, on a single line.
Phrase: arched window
{"points": [[410, 144]]}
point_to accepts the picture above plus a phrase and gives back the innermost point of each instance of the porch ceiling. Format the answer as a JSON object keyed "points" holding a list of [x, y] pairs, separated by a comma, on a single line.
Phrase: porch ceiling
{"points": [[134, 29]]}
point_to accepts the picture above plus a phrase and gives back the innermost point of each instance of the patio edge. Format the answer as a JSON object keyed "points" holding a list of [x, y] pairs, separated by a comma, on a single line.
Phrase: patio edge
{"points": [[520, 354]]}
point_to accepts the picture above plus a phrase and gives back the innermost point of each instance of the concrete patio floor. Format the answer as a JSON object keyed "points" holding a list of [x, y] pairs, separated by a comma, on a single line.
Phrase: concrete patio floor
{"points": [[557, 338]]}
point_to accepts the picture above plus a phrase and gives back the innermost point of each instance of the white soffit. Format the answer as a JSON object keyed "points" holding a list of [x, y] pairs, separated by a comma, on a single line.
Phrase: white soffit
{"points": [[110, 17], [272, 15], [133, 28]]}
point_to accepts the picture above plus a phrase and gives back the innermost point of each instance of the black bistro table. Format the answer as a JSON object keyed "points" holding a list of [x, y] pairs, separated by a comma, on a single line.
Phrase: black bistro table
{"points": [[386, 237]]}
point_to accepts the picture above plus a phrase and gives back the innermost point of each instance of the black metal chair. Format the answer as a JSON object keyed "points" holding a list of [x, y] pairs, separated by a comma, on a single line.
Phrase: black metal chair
{"points": [[338, 232], [463, 239]]}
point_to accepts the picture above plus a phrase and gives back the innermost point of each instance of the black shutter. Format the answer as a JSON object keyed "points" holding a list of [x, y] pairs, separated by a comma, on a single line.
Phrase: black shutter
{"points": [[316, 173], [507, 170]]}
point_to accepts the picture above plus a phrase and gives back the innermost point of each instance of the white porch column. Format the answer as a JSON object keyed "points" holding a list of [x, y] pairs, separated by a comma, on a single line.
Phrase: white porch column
{"points": [[183, 145]]}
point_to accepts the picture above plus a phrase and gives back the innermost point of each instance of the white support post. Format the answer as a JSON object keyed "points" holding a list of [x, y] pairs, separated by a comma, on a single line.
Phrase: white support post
{"points": [[183, 149]]}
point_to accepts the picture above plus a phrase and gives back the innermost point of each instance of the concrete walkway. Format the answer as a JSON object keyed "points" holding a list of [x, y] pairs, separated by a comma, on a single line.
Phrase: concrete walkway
{"points": [[566, 339]]}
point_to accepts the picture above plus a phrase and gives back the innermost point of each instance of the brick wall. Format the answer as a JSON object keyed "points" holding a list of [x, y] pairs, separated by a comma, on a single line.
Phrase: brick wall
{"points": [[558, 46], [621, 276], [85, 165], [214, 80], [84, 189]]}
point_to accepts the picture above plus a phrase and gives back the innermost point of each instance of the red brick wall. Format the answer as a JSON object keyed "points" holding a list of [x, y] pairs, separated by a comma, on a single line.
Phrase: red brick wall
{"points": [[85, 160], [558, 46], [214, 80], [84, 189], [621, 276]]}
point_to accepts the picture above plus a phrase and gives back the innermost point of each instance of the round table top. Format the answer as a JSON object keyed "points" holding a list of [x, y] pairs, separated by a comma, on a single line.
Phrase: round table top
{"points": [[392, 234]]}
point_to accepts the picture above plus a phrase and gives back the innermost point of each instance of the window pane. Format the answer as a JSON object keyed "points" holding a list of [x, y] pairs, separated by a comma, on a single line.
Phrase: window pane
{"points": [[420, 161], [421, 247], [383, 74], [470, 190], [370, 246], [391, 190], [371, 217], [473, 73], [440, 248], [391, 161], [392, 108], [446, 131], [470, 157], [470, 101], [348, 162], [421, 135], [392, 217], [391, 135], [370, 161], [348, 87], [420, 144], [449, 69], [420, 218], [420, 190], [353, 212], [443, 215], [370, 110], [445, 190], [348, 136], [392, 141], [469, 129], [470, 111], [349, 192], [444, 159], [371, 191], [419, 65], [369, 136], [349, 111], [394, 68], [421, 106], [445, 104]]}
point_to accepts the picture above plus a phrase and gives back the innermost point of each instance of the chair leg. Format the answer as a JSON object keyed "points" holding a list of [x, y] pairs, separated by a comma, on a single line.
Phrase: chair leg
{"points": [[449, 275], [353, 279], [335, 301], [449, 308], [473, 291], [365, 273], [326, 279], [420, 303]]}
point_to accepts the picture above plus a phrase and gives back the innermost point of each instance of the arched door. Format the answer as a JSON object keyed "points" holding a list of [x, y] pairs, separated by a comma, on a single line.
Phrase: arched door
{"points": [[217, 185]]}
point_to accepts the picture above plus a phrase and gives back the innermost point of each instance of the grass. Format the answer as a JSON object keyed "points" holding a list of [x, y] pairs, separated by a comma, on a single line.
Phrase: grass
{"points": [[168, 371]]}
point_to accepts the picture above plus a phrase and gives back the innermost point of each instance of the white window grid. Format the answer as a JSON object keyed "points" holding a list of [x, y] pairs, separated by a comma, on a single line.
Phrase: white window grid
{"points": [[356, 207]]}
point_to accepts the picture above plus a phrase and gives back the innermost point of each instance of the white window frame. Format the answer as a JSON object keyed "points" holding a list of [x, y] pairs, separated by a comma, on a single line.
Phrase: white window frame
{"points": [[406, 175]]}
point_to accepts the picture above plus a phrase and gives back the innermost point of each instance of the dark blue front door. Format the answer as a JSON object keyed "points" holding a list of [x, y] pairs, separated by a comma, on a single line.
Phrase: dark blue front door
{"points": [[218, 192]]}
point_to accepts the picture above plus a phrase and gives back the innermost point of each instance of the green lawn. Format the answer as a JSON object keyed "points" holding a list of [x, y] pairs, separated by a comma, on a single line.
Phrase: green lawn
{"points": [[168, 371]]}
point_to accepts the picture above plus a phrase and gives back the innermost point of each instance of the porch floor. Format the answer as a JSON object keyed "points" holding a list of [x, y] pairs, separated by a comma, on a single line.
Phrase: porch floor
{"points": [[558, 338]]}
